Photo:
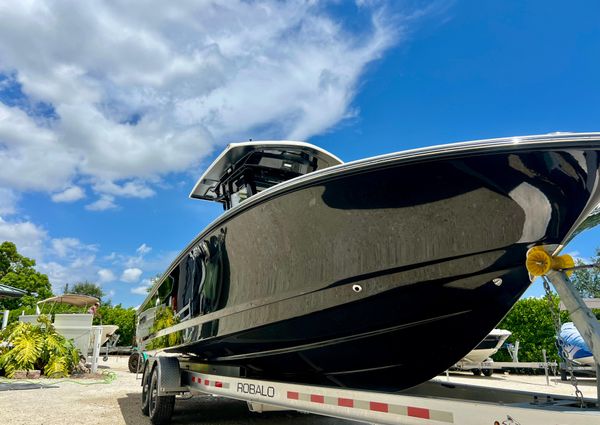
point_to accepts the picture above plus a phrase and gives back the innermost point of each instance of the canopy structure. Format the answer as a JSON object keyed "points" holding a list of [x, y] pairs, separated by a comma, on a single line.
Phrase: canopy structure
{"points": [[10, 292], [72, 299]]}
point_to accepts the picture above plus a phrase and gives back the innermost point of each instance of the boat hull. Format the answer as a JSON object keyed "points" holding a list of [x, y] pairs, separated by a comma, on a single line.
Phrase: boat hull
{"points": [[339, 278]]}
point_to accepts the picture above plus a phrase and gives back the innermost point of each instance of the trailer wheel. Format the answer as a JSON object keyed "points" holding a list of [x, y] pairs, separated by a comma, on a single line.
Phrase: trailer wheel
{"points": [[145, 393], [487, 372], [160, 407], [476, 372], [135, 362]]}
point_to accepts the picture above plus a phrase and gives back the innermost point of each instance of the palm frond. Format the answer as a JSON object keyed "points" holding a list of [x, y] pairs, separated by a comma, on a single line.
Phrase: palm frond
{"points": [[57, 367], [54, 343], [28, 348]]}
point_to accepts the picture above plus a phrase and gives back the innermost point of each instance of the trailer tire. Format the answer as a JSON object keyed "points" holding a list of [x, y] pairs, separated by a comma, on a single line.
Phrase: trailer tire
{"points": [[487, 372], [135, 362], [160, 408], [476, 372], [145, 394]]}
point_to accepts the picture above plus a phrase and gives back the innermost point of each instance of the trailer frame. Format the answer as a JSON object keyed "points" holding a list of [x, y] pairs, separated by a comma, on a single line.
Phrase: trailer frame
{"points": [[435, 403]]}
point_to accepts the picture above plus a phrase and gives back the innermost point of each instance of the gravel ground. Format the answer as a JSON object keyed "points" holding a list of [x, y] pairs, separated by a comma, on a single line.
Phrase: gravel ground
{"points": [[532, 383], [88, 402]]}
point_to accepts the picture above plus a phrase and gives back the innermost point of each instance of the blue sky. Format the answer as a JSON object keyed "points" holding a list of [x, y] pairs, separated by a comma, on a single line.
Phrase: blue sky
{"points": [[109, 113]]}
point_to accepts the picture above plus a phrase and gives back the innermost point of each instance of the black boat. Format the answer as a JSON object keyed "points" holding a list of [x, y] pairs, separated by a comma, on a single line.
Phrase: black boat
{"points": [[328, 273]]}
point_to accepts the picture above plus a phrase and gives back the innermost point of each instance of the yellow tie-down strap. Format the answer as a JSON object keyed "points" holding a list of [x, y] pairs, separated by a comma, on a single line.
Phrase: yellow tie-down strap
{"points": [[539, 262]]}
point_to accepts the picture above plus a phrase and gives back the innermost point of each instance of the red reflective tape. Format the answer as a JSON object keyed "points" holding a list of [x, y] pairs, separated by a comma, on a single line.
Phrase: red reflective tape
{"points": [[193, 379], [315, 398], [417, 412], [206, 382], [345, 402], [218, 384], [378, 407], [293, 395]]}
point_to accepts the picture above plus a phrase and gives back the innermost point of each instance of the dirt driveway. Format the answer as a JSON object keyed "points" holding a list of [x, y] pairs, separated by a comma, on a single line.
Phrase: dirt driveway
{"points": [[89, 402]]}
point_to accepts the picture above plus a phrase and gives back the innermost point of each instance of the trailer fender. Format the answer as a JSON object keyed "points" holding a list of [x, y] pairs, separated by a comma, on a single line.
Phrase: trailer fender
{"points": [[169, 375]]}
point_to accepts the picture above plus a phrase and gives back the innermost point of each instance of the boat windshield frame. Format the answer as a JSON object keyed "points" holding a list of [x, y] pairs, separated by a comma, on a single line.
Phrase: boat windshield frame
{"points": [[250, 167]]}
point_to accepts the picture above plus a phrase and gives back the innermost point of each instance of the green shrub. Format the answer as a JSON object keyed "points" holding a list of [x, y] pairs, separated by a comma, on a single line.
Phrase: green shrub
{"points": [[530, 322], [28, 347]]}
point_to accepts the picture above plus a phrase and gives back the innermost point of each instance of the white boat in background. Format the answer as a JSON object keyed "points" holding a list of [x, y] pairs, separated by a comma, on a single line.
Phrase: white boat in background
{"points": [[488, 347], [74, 326], [574, 347], [107, 332], [481, 355]]}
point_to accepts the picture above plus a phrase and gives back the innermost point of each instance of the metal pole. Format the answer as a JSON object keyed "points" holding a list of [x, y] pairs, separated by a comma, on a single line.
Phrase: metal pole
{"points": [[582, 316], [5, 319], [546, 367], [598, 384], [96, 350]]}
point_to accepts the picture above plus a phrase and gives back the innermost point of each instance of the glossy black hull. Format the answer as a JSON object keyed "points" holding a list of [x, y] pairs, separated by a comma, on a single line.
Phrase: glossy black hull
{"points": [[383, 275]]}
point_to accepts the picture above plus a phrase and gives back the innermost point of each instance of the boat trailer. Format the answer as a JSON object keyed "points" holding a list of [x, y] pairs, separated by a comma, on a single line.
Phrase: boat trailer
{"points": [[436, 403]]}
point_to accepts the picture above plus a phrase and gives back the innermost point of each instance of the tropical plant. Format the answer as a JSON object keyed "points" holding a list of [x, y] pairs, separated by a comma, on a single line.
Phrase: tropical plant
{"points": [[25, 346]]}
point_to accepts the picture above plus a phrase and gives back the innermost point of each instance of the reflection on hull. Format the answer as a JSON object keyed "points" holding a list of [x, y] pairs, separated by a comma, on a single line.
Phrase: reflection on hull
{"points": [[334, 277]]}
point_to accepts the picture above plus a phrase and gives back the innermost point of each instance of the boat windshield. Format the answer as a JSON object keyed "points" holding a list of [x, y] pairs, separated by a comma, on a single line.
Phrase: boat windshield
{"points": [[260, 170], [239, 196], [245, 169]]}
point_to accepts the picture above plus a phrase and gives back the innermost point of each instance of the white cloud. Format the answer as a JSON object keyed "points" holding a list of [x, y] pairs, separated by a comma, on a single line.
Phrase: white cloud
{"points": [[85, 261], [70, 194], [138, 92], [132, 189], [131, 275], [62, 246], [106, 275], [142, 289], [31, 155], [143, 249], [8, 201], [64, 260], [157, 262], [27, 236], [106, 202], [60, 273], [69, 261]]}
